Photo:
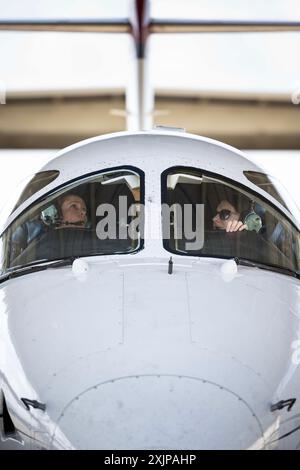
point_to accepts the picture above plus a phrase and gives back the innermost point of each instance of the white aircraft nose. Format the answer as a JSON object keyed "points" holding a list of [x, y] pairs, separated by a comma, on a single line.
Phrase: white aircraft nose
{"points": [[158, 412]]}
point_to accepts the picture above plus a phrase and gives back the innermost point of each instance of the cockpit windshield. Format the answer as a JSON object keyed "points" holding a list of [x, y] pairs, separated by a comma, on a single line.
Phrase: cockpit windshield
{"points": [[95, 215], [207, 215]]}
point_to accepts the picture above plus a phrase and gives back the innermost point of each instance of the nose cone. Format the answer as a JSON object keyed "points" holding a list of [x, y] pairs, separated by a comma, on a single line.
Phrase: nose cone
{"points": [[158, 412]]}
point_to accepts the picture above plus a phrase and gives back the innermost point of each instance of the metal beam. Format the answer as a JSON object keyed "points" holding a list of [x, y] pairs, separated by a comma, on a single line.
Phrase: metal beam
{"points": [[139, 30], [139, 92], [75, 26], [219, 26]]}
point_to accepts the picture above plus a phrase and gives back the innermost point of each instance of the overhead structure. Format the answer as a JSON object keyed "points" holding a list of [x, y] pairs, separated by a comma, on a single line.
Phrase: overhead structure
{"points": [[139, 93]]}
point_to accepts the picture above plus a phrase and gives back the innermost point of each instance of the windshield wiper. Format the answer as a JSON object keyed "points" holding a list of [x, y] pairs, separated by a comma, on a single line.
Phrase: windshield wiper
{"points": [[32, 268], [268, 267]]}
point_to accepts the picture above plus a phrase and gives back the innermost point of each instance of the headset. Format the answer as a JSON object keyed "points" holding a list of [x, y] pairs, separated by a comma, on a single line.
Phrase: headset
{"points": [[253, 220], [52, 217]]}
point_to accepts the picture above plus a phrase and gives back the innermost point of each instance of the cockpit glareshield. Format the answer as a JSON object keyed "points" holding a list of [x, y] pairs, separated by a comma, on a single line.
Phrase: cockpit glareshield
{"points": [[98, 214], [207, 215]]}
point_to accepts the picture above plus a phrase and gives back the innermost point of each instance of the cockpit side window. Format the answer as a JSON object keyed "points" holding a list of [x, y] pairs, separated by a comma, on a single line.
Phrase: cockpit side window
{"points": [[268, 184], [95, 215], [37, 182], [206, 215]]}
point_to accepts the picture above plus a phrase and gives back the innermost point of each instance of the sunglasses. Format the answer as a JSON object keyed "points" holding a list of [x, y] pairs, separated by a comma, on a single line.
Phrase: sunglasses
{"points": [[224, 214]]}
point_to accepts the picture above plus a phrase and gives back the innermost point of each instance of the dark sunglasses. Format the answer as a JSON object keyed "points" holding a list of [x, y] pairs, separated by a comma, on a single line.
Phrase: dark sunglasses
{"points": [[224, 214]]}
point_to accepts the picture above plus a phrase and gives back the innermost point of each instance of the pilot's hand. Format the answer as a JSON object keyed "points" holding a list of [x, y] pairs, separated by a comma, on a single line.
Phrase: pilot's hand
{"points": [[235, 226]]}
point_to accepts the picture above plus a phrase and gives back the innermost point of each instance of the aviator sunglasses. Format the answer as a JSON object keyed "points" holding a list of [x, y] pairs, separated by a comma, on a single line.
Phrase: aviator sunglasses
{"points": [[224, 214]]}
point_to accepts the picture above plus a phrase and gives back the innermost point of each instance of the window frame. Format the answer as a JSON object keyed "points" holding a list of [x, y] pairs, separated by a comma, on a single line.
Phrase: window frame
{"points": [[66, 185], [249, 192]]}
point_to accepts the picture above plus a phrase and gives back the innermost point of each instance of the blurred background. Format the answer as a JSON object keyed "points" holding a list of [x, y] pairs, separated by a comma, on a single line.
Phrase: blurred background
{"points": [[57, 88]]}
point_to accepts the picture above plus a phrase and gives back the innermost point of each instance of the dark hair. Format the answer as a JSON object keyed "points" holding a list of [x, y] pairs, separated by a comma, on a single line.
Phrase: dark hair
{"points": [[241, 203]]}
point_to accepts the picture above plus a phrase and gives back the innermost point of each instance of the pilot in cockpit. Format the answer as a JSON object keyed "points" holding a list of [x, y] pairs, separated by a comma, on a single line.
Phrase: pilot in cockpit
{"points": [[73, 212], [228, 218], [68, 211]]}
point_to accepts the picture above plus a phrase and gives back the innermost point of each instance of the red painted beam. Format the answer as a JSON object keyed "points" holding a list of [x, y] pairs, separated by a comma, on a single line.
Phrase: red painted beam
{"points": [[140, 24]]}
